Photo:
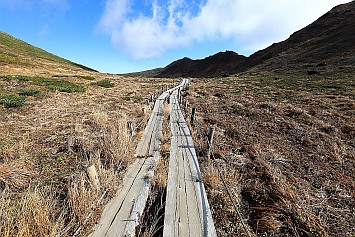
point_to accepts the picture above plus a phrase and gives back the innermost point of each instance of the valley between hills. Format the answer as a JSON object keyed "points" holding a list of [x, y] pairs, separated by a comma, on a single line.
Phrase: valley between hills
{"points": [[284, 141]]}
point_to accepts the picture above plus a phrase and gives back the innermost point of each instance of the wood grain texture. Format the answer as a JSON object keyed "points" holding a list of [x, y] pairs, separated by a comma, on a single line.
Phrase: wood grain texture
{"points": [[187, 211], [121, 215]]}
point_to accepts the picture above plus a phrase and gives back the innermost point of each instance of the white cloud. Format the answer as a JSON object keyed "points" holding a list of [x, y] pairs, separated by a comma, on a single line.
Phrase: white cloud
{"points": [[252, 24], [114, 15]]}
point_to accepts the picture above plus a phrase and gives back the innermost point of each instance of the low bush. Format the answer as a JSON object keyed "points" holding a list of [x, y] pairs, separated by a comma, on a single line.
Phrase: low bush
{"points": [[67, 87], [89, 78], [105, 83], [29, 92], [12, 101]]}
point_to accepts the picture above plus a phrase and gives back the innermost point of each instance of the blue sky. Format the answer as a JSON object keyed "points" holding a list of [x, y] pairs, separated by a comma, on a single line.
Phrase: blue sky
{"points": [[119, 36]]}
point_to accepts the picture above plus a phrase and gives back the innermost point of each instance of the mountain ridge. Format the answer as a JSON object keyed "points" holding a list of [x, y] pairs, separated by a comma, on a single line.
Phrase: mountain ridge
{"points": [[214, 65], [329, 41]]}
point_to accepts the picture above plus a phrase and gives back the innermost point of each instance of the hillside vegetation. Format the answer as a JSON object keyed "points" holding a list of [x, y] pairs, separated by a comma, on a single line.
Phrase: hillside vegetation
{"points": [[57, 117], [17, 52], [284, 138], [286, 146]]}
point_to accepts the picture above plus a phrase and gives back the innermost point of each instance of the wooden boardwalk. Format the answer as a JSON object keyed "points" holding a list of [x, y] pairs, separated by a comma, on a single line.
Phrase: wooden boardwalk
{"points": [[187, 211], [121, 215]]}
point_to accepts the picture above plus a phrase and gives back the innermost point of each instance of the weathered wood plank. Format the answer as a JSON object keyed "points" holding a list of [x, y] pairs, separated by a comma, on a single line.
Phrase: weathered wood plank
{"points": [[187, 211], [121, 215], [114, 206], [170, 217]]}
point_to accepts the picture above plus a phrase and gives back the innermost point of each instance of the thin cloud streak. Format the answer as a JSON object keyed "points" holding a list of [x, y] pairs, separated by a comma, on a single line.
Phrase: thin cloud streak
{"points": [[251, 24]]}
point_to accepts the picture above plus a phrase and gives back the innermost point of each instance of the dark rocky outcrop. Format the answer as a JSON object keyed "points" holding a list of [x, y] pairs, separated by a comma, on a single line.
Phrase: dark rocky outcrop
{"points": [[326, 44]]}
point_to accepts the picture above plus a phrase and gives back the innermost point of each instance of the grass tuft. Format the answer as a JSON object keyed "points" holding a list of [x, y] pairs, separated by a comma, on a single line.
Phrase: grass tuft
{"points": [[67, 87], [29, 92], [105, 83], [17, 78], [89, 78], [13, 178], [12, 101]]}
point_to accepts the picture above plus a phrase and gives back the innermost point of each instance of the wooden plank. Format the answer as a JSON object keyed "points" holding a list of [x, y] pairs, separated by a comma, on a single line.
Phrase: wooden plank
{"points": [[134, 203], [114, 206], [183, 218], [170, 229], [192, 206], [121, 215], [187, 211]]}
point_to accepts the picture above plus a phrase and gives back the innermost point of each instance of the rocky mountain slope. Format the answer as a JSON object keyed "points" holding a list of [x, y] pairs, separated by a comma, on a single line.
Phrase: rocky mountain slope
{"points": [[215, 65], [329, 41], [326, 44]]}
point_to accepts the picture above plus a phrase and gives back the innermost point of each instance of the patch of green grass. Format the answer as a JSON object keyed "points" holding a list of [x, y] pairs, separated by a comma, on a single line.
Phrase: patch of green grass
{"points": [[89, 78], [29, 92], [67, 87], [58, 84], [105, 83], [17, 78], [12, 101], [53, 84]]}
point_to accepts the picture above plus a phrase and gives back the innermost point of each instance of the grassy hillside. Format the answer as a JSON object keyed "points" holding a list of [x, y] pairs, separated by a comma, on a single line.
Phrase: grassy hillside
{"points": [[17, 52], [56, 118]]}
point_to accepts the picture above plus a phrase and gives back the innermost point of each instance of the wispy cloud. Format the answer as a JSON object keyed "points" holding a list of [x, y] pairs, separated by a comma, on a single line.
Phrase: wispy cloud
{"points": [[114, 15], [251, 24]]}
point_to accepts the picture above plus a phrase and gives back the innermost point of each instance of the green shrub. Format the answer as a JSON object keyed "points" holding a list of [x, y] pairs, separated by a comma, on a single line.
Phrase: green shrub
{"points": [[105, 83], [29, 92], [89, 78], [58, 84], [67, 87], [12, 101]]}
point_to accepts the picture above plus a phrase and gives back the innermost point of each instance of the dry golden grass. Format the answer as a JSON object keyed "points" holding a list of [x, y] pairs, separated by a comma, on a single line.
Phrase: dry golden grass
{"points": [[47, 143], [160, 178], [14, 178], [211, 176], [285, 144], [33, 212]]}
